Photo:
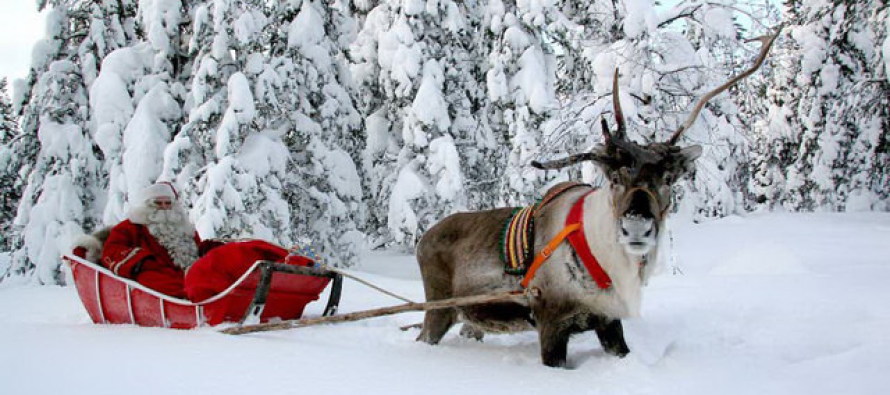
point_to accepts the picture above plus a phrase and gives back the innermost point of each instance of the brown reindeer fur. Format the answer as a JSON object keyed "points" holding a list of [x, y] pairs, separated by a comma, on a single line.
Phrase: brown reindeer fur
{"points": [[459, 257]]}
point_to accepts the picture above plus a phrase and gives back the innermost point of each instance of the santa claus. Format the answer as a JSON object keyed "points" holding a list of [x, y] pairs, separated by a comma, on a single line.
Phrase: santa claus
{"points": [[156, 243]]}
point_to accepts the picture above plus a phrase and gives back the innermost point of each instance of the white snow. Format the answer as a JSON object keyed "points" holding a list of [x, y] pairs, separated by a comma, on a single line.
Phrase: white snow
{"points": [[400, 55], [808, 318], [378, 137], [429, 105], [640, 17], [241, 111], [307, 29], [401, 217], [721, 20], [342, 173], [263, 153], [532, 83], [160, 19], [145, 137], [444, 167]]}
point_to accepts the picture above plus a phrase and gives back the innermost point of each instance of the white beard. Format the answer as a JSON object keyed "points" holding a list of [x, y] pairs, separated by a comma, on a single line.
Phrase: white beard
{"points": [[175, 233]]}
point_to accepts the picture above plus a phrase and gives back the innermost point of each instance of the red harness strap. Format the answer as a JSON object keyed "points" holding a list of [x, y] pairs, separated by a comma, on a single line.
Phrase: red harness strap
{"points": [[574, 231], [579, 243]]}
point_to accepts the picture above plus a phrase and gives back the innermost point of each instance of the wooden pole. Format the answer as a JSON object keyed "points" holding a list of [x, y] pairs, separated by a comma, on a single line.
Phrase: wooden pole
{"points": [[516, 297]]}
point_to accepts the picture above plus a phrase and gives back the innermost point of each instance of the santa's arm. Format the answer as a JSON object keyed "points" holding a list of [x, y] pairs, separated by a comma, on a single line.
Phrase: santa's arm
{"points": [[122, 254], [204, 246]]}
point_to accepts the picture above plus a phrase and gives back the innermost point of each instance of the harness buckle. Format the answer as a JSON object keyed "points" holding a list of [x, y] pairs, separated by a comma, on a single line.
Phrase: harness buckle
{"points": [[546, 252]]}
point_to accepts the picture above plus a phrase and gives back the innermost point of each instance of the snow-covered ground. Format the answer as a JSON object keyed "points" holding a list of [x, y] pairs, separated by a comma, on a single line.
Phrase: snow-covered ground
{"points": [[767, 304]]}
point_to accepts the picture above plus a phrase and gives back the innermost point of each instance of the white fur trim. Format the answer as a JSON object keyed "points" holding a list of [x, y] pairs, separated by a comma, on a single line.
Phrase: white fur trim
{"points": [[117, 265], [91, 244]]}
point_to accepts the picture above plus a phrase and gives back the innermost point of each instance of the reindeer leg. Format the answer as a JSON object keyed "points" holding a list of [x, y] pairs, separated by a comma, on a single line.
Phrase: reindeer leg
{"points": [[554, 338], [435, 324], [611, 335]]}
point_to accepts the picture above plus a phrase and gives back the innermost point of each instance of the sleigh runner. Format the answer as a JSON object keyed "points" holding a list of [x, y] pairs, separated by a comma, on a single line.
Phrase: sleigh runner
{"points": [[266, 291]]}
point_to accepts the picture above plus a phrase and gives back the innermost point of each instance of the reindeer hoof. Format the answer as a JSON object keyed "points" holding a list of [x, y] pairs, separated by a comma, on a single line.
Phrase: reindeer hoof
{"points": [[619, 351], [426, 339], [471, 332], [555, 363]]}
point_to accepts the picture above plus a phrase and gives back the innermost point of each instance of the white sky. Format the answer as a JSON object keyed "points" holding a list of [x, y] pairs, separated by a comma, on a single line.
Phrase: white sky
{"points": [[20, 27]]}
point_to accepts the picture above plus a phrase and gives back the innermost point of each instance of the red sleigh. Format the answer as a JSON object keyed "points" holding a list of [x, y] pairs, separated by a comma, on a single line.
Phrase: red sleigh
{"points": [[266, 291]]}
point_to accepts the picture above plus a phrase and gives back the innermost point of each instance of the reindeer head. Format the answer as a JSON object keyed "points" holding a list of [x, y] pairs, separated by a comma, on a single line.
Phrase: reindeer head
{"points": [[640, 176]]}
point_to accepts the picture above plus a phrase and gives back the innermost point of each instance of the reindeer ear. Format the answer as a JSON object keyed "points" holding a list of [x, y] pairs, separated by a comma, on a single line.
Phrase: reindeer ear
{"points": [[691, 153]]}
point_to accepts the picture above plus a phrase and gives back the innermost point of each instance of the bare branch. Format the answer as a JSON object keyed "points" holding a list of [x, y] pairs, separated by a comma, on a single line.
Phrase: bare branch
{"points": [[686, 13]]}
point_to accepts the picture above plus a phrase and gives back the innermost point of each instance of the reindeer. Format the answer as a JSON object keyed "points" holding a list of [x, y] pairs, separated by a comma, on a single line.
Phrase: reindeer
{"points": [[621, 221]]}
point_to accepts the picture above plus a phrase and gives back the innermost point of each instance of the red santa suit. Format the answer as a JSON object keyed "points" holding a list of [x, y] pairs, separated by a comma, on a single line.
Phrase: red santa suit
{"points": [[156, 247], [131, 251]]}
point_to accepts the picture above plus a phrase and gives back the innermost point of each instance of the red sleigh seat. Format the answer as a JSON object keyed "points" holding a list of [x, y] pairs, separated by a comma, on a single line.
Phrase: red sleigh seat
{"points": [[111, 299]]}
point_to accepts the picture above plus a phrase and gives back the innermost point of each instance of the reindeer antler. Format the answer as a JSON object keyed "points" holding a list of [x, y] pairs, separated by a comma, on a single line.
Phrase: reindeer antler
{"points": [[620, 134], [767, 43], [560, 163]]}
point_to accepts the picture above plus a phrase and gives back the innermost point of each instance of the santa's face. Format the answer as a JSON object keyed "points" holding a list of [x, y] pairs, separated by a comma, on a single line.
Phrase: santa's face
{"points": [[161, 203], [165, 210]]}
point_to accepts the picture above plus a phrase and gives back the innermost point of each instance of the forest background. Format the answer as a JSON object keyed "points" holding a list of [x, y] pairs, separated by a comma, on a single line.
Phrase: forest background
{"points": [[357, 124]]}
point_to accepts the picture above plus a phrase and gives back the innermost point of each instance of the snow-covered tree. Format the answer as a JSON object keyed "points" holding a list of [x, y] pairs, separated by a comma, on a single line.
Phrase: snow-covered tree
{"points": [[309, 121], [309, 97], [224, 156], [667, 60], [135, 103], [407, 56], [827, 148], [8, 124], [64, 180], [520, 83], [10, 179]]}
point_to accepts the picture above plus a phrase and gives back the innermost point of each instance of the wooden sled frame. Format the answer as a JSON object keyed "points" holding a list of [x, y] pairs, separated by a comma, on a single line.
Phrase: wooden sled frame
{"points": [[181, 313]]}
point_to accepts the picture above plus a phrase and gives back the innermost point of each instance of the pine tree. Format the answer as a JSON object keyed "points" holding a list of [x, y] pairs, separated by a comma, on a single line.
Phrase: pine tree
{"points": [[408, 55], [64, 175], [835, 112], [311, 95], [520, 82], [225, 156], [135, 103], [10, 180], [666, 61]]}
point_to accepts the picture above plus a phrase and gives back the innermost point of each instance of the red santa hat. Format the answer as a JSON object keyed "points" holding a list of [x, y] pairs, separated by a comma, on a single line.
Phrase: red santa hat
{"points": [[140, 203], [161, 189]]}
